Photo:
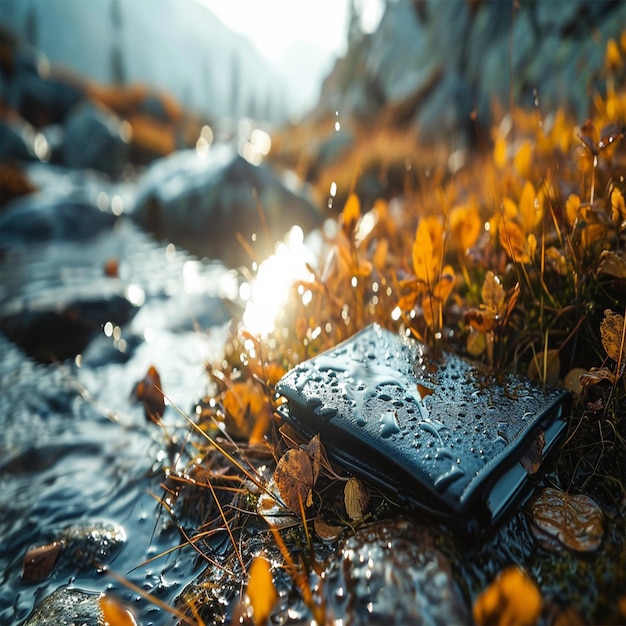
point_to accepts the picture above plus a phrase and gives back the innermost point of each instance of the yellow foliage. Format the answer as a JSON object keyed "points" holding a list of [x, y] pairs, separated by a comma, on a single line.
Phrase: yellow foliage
{"points": [[618, 207], [261, 591], [465, 225], [523, 159], [512, 599]]}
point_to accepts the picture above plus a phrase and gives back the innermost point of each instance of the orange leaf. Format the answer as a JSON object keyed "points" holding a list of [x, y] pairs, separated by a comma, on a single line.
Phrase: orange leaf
{"points": [[261, 591], [513, 241], [115, 613], [512, 598], [351, 213], [465, 225], [245, 403]]}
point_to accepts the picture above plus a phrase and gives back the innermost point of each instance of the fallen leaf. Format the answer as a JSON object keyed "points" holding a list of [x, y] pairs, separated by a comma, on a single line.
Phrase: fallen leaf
{"points": [[612, 334], [314, 450], [356, 498], [512, 598], [39, 561], [294, 479], [150, 392], [114, 613], [325, 531], [612, 263], [561, 520], [596, 375], [246, 404], [531, 461], [572, 380], [545, 366], [261, 591]]}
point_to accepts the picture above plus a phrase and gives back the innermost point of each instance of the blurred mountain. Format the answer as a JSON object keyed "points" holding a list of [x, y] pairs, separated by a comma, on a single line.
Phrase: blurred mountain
{"points": [[178, 46]]}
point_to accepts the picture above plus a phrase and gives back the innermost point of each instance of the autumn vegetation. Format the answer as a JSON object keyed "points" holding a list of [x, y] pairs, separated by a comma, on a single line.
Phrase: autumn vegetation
{"points": [[515, 256]]}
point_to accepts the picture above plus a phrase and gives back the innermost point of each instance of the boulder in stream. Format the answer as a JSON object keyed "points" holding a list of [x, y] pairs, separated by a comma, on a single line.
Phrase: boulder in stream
{"points": [[207, 205]]}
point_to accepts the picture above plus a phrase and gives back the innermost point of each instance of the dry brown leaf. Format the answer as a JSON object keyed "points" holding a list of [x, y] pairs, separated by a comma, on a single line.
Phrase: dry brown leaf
{"points": [[562, 520], [39, 561], [294, 479], [596, 375], [512, 598], [612, 334], [150, 393], [356, 498], [325, 531], [314, 450], [613, 264], [261, 591], [545, 366]]}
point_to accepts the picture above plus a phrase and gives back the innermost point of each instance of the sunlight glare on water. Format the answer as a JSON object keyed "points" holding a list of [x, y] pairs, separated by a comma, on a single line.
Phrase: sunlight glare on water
{"points": [[267, 294]]}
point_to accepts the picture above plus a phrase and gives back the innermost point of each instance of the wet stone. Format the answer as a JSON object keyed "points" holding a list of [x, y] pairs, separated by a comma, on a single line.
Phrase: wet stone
{"points": [[66, 607], [88, 544], [390, 572]]}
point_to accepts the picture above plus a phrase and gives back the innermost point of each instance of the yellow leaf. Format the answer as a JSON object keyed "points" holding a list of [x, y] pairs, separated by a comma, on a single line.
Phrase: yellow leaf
{"points": [[351, 213], [618, 207], [465, 225], [523, 159], [529, 208], [509, 209], [531, 242], [261, 591], [499, 153], [492, 292], [424, 264], [512, 598], [612, 334], [572, 207], [513, 241], [380, 255], [612, 59]]}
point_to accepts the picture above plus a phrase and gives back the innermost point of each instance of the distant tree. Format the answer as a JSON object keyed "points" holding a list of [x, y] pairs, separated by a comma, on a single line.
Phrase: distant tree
{"points": [[118, 72], [235, 85]]}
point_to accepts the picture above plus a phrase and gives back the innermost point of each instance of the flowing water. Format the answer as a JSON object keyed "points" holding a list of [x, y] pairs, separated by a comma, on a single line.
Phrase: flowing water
{"points": [[76, 447]]}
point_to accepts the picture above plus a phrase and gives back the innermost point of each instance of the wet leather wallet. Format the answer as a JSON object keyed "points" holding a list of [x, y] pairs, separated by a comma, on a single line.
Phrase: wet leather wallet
{"points": [[429, 428]]}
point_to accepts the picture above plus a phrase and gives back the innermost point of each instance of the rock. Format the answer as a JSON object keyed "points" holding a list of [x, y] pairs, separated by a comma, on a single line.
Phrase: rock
{"points": [[424, 53], [204, 204], [391, 573], [95, 139], [67, 607], [49, 216]]}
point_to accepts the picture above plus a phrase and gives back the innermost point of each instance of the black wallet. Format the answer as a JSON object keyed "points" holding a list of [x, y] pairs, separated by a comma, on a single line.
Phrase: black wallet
{"points": [[429, 428]]}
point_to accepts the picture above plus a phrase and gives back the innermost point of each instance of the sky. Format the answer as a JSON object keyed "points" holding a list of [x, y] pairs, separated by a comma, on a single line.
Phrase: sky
{"points": [[272, 25]]}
